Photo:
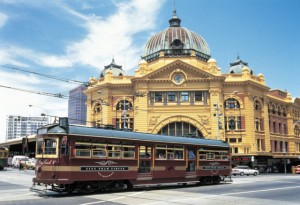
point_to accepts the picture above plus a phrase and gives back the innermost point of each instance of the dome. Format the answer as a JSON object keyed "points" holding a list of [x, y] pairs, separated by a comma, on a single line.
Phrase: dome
{"points": [[114, 68], [176, 41], [237, 67]]}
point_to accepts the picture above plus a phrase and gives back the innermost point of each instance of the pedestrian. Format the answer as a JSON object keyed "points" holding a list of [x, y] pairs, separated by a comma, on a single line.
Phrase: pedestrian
{"points": [[20, 164]]}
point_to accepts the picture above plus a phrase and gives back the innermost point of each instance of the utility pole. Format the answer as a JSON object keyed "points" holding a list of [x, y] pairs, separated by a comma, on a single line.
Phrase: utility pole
{"points": [[218, 115], [284, 153]]}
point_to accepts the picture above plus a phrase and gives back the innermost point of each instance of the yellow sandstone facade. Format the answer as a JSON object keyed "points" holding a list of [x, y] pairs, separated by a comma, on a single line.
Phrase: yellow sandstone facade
{"points": [[178, 89]]}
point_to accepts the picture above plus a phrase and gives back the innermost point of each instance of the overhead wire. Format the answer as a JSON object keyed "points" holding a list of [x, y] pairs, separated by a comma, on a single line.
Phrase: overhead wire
{"points": [[58, 95], [45, 75]]}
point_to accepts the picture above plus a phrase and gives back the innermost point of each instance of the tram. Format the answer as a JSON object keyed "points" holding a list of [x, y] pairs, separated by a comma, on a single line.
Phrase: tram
{"points": [[88, 159], [3, 157]]}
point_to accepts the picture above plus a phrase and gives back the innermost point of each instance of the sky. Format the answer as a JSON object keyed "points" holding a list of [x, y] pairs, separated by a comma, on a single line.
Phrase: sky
{"points": [[75, 39]]}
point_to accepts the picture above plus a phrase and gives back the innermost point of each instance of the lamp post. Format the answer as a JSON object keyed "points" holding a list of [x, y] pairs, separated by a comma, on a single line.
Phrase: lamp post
{"points": [[218, 114], [284, 153], [48, 119]]}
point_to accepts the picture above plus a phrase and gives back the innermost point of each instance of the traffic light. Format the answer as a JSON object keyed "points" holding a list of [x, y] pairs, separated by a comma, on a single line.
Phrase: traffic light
{"points": [[25, 144]]}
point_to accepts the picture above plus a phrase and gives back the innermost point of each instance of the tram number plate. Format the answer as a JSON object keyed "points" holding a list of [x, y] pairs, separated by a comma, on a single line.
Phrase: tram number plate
{"points": [[97, 169]]}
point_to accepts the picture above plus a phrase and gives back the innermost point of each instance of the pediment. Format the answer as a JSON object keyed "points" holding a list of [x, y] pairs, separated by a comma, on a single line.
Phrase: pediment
{"points": [[190, 73]]}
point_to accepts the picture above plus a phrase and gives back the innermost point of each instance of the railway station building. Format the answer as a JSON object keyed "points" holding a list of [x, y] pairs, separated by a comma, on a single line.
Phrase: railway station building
{"points": [[178, 89]]}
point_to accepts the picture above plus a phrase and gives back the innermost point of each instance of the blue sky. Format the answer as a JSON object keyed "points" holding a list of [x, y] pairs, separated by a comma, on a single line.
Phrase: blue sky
{"points": [[75, 39]]}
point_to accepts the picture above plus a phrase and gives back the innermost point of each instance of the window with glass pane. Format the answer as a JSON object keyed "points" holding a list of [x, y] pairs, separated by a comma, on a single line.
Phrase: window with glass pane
{"points": [[145, 152], [128, 151], [239, 124], [231, 124], [178, 128], [186, 130], [171, 96], [83, 149], [198, 96], [99, 150], [114, 151], [210, 156], [172, 129], [158, 96], [184, 96], [50, 146]]}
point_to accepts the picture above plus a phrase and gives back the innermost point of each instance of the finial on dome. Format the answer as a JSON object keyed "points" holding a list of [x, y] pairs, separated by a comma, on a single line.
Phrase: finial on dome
{"points": [[174, 21]]}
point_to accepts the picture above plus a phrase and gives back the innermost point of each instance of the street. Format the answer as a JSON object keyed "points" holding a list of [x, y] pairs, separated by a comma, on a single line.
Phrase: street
{"points": [[275, 189]]}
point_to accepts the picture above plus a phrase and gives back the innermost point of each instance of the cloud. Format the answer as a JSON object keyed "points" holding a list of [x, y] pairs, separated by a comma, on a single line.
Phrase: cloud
{"points": [[3, 19], [106, 37], [17, 102], [16, 55], [114, 36]]}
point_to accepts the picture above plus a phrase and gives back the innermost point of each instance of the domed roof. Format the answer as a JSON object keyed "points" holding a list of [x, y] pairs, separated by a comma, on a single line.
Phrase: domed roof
{"points": [[176, 41], [114, 68], [237, 67]]}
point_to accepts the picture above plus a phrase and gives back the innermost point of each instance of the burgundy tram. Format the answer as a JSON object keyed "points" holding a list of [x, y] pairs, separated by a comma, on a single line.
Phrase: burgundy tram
{"points": [[89, 159]]}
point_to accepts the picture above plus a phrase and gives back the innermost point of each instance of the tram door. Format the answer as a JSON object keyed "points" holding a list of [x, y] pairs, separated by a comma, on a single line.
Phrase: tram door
{"points": [[64, 153], [191, 160], [145, 156]]}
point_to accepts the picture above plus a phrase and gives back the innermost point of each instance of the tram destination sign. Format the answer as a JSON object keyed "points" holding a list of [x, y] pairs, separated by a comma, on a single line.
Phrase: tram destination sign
{"points": [[106, 168], [244, 159]]}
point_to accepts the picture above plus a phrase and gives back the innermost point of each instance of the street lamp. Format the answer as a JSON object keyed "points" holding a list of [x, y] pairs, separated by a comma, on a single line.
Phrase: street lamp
{"points": [[44, 115], [218, 117]]}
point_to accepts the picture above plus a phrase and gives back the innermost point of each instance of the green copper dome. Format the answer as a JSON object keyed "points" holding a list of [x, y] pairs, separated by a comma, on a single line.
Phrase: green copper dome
{"points": [[176, 41]]}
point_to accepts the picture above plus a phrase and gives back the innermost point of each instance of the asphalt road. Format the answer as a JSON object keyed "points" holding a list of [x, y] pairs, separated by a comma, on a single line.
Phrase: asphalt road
{"points": [[275, 189]]}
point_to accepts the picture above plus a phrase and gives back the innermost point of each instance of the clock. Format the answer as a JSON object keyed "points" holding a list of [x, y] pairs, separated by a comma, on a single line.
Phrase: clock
{"points": [[177, 78]]}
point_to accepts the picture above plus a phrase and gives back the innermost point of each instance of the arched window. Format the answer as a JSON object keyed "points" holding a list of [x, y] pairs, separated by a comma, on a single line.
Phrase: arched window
{"points": [[231, 103], [124, 105], [233, 123], [297, 130], [180, 129]]}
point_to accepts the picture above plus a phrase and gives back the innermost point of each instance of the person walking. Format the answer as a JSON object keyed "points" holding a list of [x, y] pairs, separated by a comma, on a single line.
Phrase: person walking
{"points": [[20, 164]]}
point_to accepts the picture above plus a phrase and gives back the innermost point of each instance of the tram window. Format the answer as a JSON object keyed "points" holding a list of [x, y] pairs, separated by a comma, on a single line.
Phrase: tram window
{"points": [[169, 152], [178, 154], [39, 146], [128, 151], [160, 154], [82, 149], [210, 156], [114, 151], [144, 167], [99, 153], [99, 150], [191, 154], [145, 152], [50, 146], [202, 156]]}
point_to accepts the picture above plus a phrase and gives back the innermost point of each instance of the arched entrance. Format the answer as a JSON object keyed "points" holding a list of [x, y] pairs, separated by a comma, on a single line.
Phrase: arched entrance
{"points": [[180, 126], [180, 129]]}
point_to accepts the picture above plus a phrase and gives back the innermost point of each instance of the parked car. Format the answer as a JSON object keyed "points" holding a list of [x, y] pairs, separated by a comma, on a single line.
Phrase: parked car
{"points": [[242, 170], [15, 160], [31, 163]]}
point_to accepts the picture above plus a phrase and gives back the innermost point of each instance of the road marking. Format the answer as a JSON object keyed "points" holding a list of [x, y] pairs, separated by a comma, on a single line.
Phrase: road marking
{"points": [[114, 199], [228, 194], [16, 195]]}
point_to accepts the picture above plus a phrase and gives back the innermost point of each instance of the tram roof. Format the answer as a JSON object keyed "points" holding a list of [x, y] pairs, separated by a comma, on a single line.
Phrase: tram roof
{"points": [[127, 135]]}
